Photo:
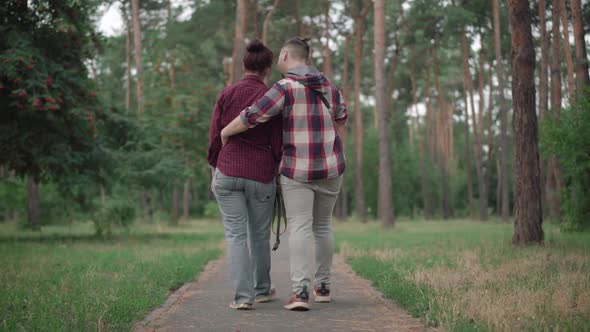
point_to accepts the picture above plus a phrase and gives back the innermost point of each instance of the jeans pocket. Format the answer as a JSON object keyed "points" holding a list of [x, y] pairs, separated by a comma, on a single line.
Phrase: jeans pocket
{"points": [[223, 184], [265, 191]]}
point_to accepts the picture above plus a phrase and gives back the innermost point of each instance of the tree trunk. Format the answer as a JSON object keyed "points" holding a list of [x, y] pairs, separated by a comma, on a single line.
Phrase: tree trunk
{"points": [[138, 62], [358, 116], [420, 135], [466, 89], [239, 47], [175, 206], [385, 199], [33, 208], [342, 202], [504, 155], [186, 200], [555, 204], [543, 90], [444, 141], [571, 82], [327, 67], [266, 23], [582, 75], [528, 211], [253, 14], [490, 120], [481, 178]]}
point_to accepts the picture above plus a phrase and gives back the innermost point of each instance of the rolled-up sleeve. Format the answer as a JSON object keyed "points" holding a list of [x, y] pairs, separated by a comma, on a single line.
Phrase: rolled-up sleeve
{"points": [[266, 107]]}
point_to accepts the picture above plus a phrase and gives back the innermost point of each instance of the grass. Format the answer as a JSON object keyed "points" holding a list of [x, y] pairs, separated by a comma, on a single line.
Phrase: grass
{"points": [[64, 278], [466, 276]]}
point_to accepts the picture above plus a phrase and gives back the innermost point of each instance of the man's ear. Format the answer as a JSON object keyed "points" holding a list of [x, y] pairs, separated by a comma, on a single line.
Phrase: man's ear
{"points": [[285, 55]]}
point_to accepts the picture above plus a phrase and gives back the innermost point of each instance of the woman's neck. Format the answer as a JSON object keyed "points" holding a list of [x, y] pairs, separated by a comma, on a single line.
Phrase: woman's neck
{"points": [[254, 73]]}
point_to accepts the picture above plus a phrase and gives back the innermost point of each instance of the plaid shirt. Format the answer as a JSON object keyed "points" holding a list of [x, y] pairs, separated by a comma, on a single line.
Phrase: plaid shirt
{"points": [[312, 149]]}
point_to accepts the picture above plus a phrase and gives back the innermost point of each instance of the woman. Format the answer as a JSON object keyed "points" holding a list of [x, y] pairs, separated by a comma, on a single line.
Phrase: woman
{"points": [[244, 181]]}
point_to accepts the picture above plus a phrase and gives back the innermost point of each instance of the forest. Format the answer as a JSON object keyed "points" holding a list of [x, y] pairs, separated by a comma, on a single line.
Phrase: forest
{"points": [[114, 128]]}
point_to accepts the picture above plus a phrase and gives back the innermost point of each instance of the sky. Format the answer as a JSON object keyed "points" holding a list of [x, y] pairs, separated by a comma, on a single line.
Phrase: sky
{"points": [[111, 21]]}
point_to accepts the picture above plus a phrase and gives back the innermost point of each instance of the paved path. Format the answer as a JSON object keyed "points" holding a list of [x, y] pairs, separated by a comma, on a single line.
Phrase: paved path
{"points": [[203, 305]]}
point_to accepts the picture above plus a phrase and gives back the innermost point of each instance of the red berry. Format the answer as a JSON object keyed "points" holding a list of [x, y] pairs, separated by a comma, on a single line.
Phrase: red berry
{"points": [[50, 100], [37, 102], [49, 81], [92, 94], [53, 107], [22, 94], [17, 81], [30, 67]]}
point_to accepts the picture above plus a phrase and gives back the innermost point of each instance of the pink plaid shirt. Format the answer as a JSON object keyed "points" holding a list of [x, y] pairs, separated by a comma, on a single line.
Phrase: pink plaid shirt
{"points": [[312, 149]]}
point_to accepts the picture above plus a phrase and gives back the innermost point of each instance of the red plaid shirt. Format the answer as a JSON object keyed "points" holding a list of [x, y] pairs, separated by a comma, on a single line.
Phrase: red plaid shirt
{"points": [[312, 149], [253, 155]]}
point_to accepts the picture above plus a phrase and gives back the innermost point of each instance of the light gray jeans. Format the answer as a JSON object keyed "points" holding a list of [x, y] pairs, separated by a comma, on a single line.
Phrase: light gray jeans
{"points": [[246, 210], [309, 208]]}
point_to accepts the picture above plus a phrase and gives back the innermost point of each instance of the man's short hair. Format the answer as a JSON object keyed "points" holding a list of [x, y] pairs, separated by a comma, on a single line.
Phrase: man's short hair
{"points": [[299, 48]]}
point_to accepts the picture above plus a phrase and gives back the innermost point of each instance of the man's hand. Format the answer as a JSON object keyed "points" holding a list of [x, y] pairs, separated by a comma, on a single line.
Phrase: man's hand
{"points": [[224, 138], [233, 128]]}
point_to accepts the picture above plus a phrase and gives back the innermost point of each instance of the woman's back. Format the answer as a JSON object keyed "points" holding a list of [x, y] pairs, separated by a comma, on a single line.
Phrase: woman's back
{"points": [[254, 154]]}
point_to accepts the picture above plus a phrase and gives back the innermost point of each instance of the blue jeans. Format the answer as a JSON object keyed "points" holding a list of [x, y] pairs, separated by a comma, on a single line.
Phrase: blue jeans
{"points": [[246, 210]]}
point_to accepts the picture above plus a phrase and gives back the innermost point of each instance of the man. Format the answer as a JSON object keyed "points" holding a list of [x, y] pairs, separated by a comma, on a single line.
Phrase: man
{"points": [[314, 119]]}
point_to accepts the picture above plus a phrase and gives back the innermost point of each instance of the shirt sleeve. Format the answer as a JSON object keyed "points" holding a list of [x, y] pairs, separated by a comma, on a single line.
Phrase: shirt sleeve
{"points": [[215, 133], [264, 109], [340, 112]]}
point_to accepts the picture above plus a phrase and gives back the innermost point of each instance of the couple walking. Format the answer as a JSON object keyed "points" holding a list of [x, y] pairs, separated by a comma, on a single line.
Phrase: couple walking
{"points": [[287, 136]]}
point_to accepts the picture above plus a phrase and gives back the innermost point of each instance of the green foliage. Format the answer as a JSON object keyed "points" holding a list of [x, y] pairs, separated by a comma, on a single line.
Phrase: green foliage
{"points": [[115, 211], [67, 279], [567, 136], [211, 210]]}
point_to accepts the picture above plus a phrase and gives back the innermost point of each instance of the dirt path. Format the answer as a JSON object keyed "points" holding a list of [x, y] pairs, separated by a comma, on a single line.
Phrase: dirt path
{"points": [[203, 306]]}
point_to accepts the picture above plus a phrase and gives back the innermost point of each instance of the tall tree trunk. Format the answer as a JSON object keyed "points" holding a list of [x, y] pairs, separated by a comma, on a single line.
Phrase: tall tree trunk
{"points": [[490, 120], [571, 82], [266, 23], [358, 116], [481, 177], [186, 200], [504, 155], [253, 14], [385, 199], [33, 208], [582, 75], [327, 67], [444, 141], [543, 90], [342, 202], [239, 47], [466, 89], [528, 212], [420, 135], [554, 171], [175, 206], [138, 62]]}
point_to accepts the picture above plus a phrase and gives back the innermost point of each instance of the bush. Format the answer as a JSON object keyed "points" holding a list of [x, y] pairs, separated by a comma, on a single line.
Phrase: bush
{"points": [[567, 136], [115, 212], [211, 210]]}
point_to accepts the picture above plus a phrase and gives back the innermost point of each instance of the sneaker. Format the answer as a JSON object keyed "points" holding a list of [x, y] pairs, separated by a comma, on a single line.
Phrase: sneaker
{"points": [[299, 301], [267, 298], [322, 294], [240, 306]]}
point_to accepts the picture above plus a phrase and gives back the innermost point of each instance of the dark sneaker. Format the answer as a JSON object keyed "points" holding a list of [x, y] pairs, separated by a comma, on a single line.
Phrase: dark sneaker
{"points": [[267, 298], [299, 301], [322, 294], [240, 306]]}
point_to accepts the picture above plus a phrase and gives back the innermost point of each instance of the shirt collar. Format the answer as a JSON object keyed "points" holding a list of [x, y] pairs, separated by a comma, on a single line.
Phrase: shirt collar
{"points": [[252, 77]]}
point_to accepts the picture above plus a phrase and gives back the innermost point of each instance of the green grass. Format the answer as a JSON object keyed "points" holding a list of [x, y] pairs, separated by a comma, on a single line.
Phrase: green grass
{"points": [[466, 276], [64, 278]]}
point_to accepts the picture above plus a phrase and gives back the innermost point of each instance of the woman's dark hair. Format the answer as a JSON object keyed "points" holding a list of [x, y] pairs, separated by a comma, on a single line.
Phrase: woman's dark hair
{"points": [[258, 57]]}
